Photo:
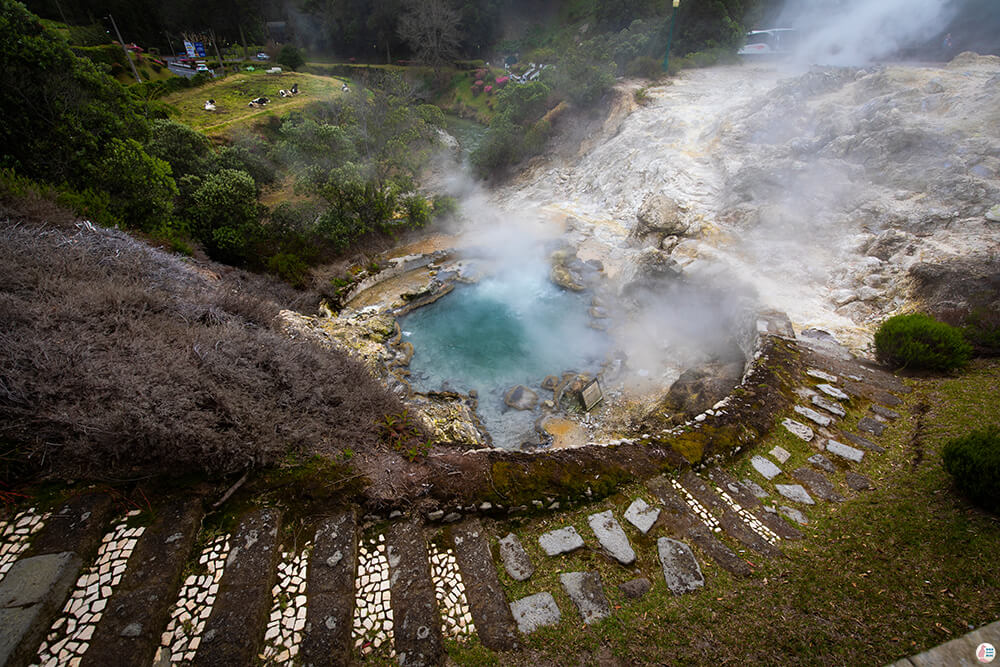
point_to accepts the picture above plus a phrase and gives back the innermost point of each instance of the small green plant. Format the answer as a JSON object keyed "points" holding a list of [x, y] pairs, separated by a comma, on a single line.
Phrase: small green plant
{"points": [[402, 433], [642, 96], [918, 341], [974, 463]]}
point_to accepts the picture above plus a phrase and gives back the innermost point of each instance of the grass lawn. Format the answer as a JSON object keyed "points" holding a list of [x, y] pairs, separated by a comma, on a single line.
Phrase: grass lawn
{"points": [[232, 94], [886, 574]]}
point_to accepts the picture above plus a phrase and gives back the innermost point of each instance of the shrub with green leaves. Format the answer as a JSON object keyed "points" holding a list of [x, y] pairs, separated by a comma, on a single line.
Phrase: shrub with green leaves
{"points": [[974, 463], [140, 186], [918, 341]]}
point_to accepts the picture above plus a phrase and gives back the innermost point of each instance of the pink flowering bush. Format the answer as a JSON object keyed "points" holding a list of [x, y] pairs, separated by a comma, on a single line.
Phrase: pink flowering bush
{"points": [[501, 81], [489, 90]]}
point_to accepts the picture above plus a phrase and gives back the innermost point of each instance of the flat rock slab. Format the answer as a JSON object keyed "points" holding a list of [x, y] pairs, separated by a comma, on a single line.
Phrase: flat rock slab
{"points": [[795, 492], [818, 484], [829, 406], [857, 482], [535, 611], [765, 467], [77, 526], [736, 528], [885, 413], [794, 514], [31, 596], [411, 593], [835, 392], [862, 442], [798, 429], [844, 451], [234, 631], [587, 593], [821, 375], [780, 454], [680, 568], [129, 630], [515, 559], [813, 416], [873, 426], [611, 536], [633, 589], [560, 541], [754, 488], [822, 463], [642, 515], [330, 584], [487, 601], [678, 518]]}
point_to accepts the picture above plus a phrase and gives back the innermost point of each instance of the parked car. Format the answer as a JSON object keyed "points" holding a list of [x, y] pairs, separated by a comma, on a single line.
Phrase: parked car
{"points": [[263, 56], [202, 67], [773, 41]]}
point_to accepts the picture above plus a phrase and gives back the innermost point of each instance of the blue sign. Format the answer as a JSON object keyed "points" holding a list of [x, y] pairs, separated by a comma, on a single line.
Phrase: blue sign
{"points": [[189, 47], [200, 49]]}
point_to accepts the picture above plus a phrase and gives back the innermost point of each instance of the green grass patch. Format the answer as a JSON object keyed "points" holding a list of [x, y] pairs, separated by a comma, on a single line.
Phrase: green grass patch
{"points": [[886, 574], [233, 93]]}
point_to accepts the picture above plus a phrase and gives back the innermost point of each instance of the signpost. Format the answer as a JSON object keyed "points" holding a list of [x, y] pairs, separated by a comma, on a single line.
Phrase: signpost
{"points": [[591, 395]]}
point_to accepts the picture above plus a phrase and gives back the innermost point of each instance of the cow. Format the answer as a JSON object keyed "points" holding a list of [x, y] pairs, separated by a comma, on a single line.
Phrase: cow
{"points": [[258, 102], [209, 105]]}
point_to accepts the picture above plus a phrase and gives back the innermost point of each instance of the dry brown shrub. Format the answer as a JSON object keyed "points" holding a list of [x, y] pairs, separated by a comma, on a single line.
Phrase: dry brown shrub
{"points": [[118, 361]]}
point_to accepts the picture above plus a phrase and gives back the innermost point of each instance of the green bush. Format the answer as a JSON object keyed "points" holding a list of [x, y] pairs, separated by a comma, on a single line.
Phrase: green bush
{"points": [[140, 186], [982, 329], [291, 57], [645, 67], [974, 463], [289, 267], [918, 341]]}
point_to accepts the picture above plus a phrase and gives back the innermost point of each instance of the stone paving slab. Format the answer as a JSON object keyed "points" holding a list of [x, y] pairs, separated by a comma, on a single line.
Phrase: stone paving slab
{"points": [[780, 454], [535, 611], [857, 482], [754, 488], [634, 589], [765, 467], [870, 379], [414, 609], [487, 601], [31, 596], [560, 541], [829, 406], [813, 416], [680, 568], [959, 652], [823, 463], [735, 527], [820, 375], [833, 392], [885, 413], [77, 526], [795, 492], [680, 520], [817, 482], [798, 429], [873, 426], [641, 515], [587, 593], [330, 578], [862, 442], [609, 533], [129, 630], [844, 451], [752, 503], [515, 559], [234, 632], [794, 514]]}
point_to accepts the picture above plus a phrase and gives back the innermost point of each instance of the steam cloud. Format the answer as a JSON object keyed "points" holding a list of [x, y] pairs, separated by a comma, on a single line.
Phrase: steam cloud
{"points": [[858, 32]]}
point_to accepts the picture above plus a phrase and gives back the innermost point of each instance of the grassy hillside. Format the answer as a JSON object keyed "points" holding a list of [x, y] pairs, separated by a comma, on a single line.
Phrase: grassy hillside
{"points": [[233, 93]]}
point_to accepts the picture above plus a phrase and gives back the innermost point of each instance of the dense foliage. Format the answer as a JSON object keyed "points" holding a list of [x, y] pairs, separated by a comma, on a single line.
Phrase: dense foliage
{"points": [[974, 463], [121, 361], [918, 341]]}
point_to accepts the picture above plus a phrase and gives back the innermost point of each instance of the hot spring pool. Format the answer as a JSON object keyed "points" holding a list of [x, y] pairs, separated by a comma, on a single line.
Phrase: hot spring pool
{"points": [[497, 333]]}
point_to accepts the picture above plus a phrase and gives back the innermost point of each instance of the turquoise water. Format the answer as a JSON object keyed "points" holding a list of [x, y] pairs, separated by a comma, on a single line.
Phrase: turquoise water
{"points": [[498, 333]]}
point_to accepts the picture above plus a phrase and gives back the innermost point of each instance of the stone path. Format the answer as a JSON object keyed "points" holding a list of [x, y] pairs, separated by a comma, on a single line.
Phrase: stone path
{"points": [[89, 585]]}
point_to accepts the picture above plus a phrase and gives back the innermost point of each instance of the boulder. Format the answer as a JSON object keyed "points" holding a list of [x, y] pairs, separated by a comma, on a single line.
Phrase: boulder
{"points": [[660, 215], [520, 397], [700, 388], [564, 277], [648, 267]]}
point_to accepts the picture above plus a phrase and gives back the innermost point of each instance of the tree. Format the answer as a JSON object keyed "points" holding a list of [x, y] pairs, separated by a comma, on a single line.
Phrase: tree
{"points": [[291, 57], [141, 188], [432, 30], [227, 215]]}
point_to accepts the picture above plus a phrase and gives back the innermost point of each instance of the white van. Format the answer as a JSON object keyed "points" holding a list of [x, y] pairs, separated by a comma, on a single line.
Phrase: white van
{"points": [[773, 41]]}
